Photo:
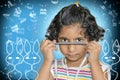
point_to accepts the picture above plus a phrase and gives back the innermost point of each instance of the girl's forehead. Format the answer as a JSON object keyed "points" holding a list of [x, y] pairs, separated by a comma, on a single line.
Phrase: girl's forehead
{"points": [[72, 30]]}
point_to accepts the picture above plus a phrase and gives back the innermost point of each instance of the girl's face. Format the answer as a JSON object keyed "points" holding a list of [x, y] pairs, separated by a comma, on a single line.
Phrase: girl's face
{"points": [[72, 33]]}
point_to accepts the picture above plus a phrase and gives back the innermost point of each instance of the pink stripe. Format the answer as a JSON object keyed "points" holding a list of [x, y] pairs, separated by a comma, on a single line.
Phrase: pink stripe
{"points": [[60, 68], [71, 71], [85, 71], [80, 73], [61, 71]]}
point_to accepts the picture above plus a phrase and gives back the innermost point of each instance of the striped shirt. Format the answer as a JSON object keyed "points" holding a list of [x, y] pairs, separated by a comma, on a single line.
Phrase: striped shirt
{"points": [[61, 72]]}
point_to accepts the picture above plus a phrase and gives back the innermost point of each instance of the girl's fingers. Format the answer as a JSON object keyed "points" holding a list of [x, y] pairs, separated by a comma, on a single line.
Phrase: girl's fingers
{"points": [[42, 42], [90, 48], [93, 44], [45, 43], [49, 46], [93, 47], [53, 48], [88, 51], [48, 49]]}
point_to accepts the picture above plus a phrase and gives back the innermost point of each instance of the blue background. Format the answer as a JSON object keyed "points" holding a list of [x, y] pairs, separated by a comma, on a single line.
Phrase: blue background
{"points": [[23, 24]]}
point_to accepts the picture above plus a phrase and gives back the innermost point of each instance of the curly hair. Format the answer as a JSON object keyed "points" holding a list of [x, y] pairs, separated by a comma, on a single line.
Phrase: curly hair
{"points": [[70, 15]]}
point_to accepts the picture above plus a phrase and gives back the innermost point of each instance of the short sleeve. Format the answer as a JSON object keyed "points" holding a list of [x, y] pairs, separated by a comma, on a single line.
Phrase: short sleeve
{"points": [[52, 68], [106, 67], [52, 72]]}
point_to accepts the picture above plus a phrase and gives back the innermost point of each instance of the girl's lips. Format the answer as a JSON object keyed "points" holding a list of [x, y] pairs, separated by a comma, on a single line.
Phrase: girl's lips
{"points": [[71, 56]]}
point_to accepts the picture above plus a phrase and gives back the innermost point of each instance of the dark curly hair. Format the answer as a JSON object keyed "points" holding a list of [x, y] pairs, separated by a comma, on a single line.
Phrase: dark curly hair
{"points": [[73, 14]]}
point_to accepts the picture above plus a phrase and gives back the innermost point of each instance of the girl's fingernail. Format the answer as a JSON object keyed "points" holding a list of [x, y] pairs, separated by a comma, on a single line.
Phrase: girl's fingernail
{"points": [[54, 41]]}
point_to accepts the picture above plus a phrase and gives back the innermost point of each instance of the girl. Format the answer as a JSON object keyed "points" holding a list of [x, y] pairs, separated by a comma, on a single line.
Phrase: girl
{"points": [[77, 31]]}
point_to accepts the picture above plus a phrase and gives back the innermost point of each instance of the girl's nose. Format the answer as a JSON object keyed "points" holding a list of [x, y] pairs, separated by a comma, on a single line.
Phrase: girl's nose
{"points": [[71, 48]]}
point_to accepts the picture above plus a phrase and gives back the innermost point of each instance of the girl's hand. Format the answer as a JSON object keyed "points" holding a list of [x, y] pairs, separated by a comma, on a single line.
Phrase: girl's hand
{"points": [[47, 48], [93, 49]]}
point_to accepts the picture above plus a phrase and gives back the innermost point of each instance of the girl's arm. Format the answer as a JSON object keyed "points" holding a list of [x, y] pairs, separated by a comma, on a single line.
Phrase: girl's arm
{"points": [[47, 48], [45, 73], [93, 48], [97, 72]]}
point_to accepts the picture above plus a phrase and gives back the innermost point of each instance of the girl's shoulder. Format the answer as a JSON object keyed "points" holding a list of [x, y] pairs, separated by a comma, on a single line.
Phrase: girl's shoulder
{"points": [[104, 66]]}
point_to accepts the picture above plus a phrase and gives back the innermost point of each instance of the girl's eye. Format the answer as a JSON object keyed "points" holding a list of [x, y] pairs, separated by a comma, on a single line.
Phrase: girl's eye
{"points": [[79, 39], [64, 40]]}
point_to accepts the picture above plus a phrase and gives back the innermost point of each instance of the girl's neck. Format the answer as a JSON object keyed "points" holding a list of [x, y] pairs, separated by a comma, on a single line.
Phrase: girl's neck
{"points": [[76, 63]]}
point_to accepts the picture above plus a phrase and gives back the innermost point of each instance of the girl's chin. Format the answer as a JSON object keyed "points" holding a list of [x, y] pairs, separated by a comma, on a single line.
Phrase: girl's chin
{"points": [[72, 59]]}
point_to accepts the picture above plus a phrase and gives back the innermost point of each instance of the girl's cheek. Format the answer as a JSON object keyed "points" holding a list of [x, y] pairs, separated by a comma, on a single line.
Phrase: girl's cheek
{"points": [[81, 48], [63, 49]]}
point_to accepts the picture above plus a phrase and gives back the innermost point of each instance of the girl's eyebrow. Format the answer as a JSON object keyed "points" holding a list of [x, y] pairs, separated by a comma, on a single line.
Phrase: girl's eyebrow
{"points": [[79, 37], [73, 43], [62, 37], [67, 38]]}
